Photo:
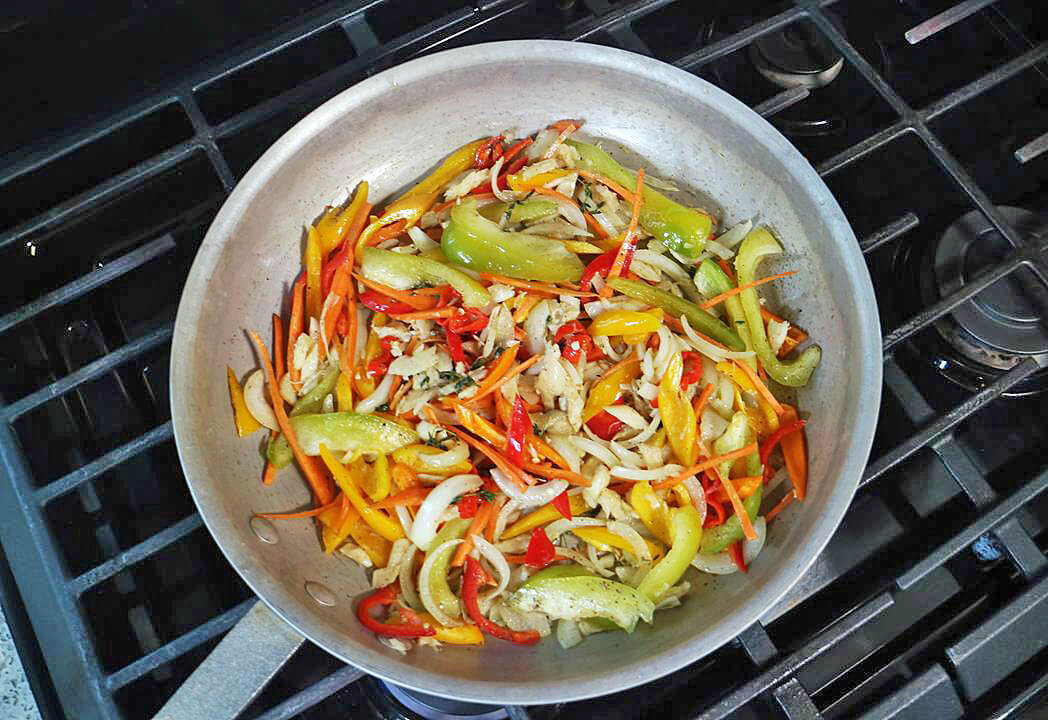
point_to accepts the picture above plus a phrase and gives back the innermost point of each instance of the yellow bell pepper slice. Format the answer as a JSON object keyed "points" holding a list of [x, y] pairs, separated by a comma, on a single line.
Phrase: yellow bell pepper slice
{"points": [[767, 421], [678, 416], [459, 635], [543, 516], [626, 322], [517, 182], [314, 262], [582, 248], [363, 384], [410, 455], [378, 520], [604, 540], [653, 511], [333, 224], [378, 482], [681, 495], [606, 390], [376, 546], [344, 394], [245, 421]]}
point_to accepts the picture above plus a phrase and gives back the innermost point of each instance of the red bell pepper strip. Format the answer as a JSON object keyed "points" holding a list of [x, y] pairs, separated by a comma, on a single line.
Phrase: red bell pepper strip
{"points": [[540, 550], [485, 156], [566, 329], [601, 265], [519, 426], [468, 505], [471, 320], [692, 369], [410, 627], [380, 303], [516, 148], [605, 425], [563, 504], [775, 438], [735, 550], [380, 366], [471, 580], [458, 355]]}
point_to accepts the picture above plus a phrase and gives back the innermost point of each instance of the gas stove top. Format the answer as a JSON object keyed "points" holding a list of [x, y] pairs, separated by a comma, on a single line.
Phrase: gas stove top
{"points": [[129, 123]]}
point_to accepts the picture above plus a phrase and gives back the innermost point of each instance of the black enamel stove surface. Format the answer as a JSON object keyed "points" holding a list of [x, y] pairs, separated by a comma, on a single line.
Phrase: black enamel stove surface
{"points": [[127, 123]]}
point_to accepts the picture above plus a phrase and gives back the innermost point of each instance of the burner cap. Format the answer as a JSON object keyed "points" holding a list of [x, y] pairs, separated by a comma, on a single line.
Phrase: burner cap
{"points": [[798, 55], [431, 707], [1008, 320]]}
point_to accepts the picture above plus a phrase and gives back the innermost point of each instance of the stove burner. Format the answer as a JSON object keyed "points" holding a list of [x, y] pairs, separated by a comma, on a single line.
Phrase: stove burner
{"points": [[396, 703], [1006, 322], [797, 56]]}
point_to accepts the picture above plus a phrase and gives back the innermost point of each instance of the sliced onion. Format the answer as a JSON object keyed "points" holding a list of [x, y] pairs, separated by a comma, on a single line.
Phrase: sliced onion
{"points": [[503, 195], [666, 264], [378, 397], [405, 518], [697, 495], [627, 415], [605, 345], [287, 390], [570, 212], [712, 425], [597, 450], [777, 333], [428, 601], [735, 236], [558, 527], [421, 240], [560, 139], [568, 633], [563, 445], [648, 431], [583, 560], [556, 227], [536, 495], [628, 457], [407, 581], [661, 473], [640, 548], [722, 564], [709, 349], [605, 222], [446, 459], [542, 143], [504, 515], [255, 399], [719, 250], [497, 560], [432, 509], [535, 327]]}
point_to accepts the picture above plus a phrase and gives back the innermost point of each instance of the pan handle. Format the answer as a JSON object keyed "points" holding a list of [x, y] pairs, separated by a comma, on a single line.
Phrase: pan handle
{"points": [[236, 670]]}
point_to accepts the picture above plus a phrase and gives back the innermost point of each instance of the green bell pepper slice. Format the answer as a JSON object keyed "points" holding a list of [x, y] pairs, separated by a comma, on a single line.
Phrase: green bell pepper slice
{"points": [[525, 211], [760, 243], [439, 589], [687, 536], [711, 281], [278, 451], [341, 432], [738, 435], [583, 596], [473, 241], [557, 571], [681, 229], [717, 539], [404, 272], [698, 318]]}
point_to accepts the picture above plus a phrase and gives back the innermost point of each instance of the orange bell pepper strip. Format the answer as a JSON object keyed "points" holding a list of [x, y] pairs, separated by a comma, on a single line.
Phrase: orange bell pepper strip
{"points": [[795, 451], [313, 262], [296, 323]]}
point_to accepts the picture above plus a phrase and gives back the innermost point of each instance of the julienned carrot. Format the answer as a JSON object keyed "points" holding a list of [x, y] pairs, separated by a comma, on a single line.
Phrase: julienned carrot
{"points": [[795, 452], [387, 232], [419, 302], [331, 317], [514, 149], [270, 473], [318, 480], [547, 451], [536, 286], [480, 521], [551, 193], [506, 378], [702, 399], [296, 322], [304, 513], [279, 354], [409, 498], [596, 227], [736, 503], [500, 462], [706, 464], [350, 343], [489, 531], [444, 312], [616, 367], [786, 501], [716, 299], [623, 192], [629, 242], [553, 473], [761, 388], [498, 368]]}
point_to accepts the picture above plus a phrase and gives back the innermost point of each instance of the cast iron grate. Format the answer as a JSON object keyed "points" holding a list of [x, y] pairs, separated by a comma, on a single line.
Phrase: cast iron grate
{"points": [[85, 431]]}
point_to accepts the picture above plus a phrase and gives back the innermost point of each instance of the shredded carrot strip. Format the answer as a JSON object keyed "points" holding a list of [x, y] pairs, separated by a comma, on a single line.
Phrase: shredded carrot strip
{"points": [[736, 503], [629, 241], [350, 343], [498, 368], [735, 291], [506, 378], [331, 317], [547, 451], [552, 193], [410, 497], [761, 388], [786, 501], [535, 286], [702, 399], [443, 312], [304, 513], [387, 232], [616, 367], [279, 355], [295, 323], [415, 301], [500, 462], [623, 192], [480, 521], [526, 305], [489, 531], [270, 473], [706, 464], [596, 227], [553, 473], [318, 480]]}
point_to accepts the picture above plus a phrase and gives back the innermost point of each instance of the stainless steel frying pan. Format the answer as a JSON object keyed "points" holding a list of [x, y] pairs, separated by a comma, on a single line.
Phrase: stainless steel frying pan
{"points": [[389, 130]]}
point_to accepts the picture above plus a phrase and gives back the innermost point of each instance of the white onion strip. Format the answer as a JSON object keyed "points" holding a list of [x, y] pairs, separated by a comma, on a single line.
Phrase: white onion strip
{"points": [[255, 399], [558, 527], [627, 533], [660, 473], [627, 415], [503, 518], [709, 349], [697, 495], [428, 601], [646, 433], [407, 581], [446, 459], [498, 561], [597, 450], [722, 563], [405, 518], [503, 195], [424, 529], [380, 396]]}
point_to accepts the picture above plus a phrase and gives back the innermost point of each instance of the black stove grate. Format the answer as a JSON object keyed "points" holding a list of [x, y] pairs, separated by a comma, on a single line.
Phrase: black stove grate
{"points": [[86, 440]]}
